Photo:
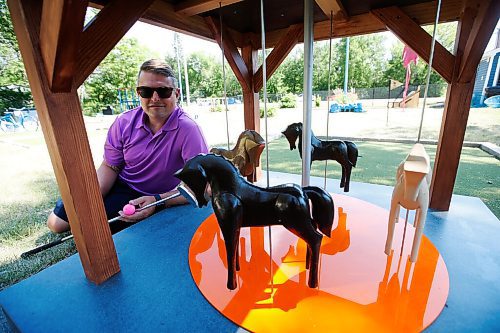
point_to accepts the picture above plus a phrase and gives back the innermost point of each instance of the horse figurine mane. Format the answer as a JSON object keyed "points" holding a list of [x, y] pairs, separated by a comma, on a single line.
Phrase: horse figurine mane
{"points": [[246, 153], [411, 191], [238, 203], [344, 152]]}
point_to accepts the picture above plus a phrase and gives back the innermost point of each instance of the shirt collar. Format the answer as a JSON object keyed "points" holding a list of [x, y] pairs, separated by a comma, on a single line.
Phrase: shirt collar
{"points": [[171, 124]]}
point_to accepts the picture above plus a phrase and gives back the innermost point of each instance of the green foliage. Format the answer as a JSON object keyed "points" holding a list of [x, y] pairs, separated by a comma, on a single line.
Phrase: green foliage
{"points": [[14, 90], [14, 97], [288, 101], [118, 70], [271, 110], [317, 100]]}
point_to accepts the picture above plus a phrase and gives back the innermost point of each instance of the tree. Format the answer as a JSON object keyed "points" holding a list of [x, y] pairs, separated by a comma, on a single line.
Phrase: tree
{"points": [[14, 88], [118, 70]]}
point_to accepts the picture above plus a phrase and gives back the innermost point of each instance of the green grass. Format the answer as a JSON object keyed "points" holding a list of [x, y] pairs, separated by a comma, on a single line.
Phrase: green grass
{"points": [[478, 173]]}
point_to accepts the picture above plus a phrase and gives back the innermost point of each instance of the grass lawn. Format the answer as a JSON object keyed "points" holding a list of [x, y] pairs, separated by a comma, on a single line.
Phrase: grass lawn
{"points": [[478, 172], [29, 189]]}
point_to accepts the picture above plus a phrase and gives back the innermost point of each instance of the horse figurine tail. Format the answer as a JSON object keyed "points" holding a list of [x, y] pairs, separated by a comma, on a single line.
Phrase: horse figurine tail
{"points": [[323, 208], [352, 152]]}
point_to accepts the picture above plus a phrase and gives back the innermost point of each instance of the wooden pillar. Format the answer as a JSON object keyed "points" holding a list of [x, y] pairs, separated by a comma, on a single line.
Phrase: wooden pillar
{"points": [[250, 97], [64, 130], [476, 25]]}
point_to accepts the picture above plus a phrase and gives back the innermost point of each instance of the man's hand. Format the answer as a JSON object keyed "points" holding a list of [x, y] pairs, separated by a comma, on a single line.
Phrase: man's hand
{"points": [[139, 215]]}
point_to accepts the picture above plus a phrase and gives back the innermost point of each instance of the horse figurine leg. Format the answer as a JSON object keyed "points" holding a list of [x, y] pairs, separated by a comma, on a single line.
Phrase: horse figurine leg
{"points": [[348, 170], [393, 215], [229, 216], [420, 217]]}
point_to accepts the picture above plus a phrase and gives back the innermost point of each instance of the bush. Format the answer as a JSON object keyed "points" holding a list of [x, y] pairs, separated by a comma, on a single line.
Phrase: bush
{"points": [[288, 101], [317, 100], [14, 97], [270, 111]]}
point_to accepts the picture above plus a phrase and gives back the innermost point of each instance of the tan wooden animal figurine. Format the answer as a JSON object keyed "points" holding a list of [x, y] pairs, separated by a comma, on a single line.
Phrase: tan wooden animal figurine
{"points": [[246, 153], [411, 192]]}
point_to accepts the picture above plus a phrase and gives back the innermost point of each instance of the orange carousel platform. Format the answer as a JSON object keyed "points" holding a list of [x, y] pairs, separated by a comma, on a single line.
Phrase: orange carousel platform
{"points": [[173, 278]]}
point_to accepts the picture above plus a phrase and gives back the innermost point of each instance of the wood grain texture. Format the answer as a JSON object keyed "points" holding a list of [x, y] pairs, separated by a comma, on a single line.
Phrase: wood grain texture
{"points": [[488, 13], [194, 7], [335, 6], [64, 131], [104, 32], [362, 24], [231, 53], [278, 54], [417, 38], [251, 109], [453, 125], [60, 31], [163, 14]]}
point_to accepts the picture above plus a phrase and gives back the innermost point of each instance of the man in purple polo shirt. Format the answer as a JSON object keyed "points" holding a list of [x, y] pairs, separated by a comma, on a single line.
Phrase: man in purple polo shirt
{"points": [[144, 148]]}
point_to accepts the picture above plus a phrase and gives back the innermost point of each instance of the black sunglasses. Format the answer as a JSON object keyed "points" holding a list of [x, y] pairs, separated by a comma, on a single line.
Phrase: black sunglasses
{"points": [[147, 92]]}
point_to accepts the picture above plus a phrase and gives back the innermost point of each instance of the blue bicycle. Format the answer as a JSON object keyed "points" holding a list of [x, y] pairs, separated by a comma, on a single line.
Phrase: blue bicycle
{"points": [[15, 119]]}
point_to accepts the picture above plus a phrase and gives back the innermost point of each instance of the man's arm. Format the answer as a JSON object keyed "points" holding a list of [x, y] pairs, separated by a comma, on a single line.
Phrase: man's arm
{"points": [[106, 175]]}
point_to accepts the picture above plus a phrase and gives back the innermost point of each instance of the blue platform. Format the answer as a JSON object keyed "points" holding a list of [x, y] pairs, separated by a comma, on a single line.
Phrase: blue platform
{"points": [[154, 291]]}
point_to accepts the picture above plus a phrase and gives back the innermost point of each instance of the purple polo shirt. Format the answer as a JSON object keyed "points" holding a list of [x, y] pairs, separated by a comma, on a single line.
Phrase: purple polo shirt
{"points": [[148, 161]]}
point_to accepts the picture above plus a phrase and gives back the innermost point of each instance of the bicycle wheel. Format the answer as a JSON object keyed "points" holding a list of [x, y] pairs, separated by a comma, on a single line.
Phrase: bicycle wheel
{"points": [[30, 123], [7, 126]]}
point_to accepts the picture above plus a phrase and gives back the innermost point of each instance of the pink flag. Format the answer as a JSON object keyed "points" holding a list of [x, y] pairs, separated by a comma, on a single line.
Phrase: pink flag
{"points": [[409, 56]]}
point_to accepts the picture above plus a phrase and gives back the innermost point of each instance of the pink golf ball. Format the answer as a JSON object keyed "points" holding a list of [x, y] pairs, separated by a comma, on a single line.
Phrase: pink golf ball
{"points": [[129, 209]]}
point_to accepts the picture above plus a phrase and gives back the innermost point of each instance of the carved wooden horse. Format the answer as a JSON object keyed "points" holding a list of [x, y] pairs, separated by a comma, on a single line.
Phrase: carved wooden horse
{"points": [[246, 153], [412, 192], [344, 152], [238, 203]]}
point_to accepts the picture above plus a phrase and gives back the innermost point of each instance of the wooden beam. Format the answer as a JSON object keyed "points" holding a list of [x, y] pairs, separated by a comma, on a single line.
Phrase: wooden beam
{"points": [[278, 54], [484, 25], [230, 52], [163, 14], [194, 7], [251, 109], [423, 13], [61, 118], [455, 115], [60, 31], [417, 38], [335, 6], [104, 32]]}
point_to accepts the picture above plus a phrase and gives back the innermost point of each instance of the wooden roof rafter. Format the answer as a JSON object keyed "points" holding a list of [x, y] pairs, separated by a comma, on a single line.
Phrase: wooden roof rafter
{"points": [[231, 52], [279, 53], [104, 31], [333, 6], [417, 38], [60, 32], [194, 7]]}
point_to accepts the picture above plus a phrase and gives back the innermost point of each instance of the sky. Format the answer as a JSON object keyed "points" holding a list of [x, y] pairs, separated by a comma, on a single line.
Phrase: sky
{"points": [[161, 40]]}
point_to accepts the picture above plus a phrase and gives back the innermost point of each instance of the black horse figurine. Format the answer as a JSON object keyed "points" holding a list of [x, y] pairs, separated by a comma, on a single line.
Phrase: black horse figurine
{"points": [[344, 152], [238, 203]]}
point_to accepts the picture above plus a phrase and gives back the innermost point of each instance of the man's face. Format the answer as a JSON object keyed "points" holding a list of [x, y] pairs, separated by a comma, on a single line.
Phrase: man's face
{"points": [[158, 105]]}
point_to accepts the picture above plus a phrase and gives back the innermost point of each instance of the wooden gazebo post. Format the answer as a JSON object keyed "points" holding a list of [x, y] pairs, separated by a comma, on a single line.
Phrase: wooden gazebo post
{"points": [[477, 22], [58, 55]]}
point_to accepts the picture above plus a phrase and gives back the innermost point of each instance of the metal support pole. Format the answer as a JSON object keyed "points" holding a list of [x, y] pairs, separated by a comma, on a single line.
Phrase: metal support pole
{"points": [[308, 75]]}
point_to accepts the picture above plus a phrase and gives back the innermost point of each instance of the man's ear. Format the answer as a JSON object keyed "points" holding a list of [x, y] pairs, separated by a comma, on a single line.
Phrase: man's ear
{"points": [[177, 92]]}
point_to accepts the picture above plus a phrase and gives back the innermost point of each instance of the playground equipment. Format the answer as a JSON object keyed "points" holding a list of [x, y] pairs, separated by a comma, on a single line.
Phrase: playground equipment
{"points": [[128, 99]]}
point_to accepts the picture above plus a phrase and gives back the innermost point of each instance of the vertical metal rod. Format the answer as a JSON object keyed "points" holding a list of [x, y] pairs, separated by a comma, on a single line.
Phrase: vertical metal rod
{"points": [[429, 69], [328, 93], [264, 87], [308, 74], [224, 74], [346, 75]]}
